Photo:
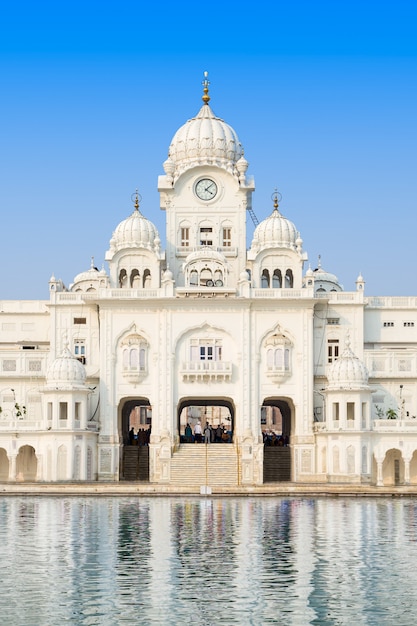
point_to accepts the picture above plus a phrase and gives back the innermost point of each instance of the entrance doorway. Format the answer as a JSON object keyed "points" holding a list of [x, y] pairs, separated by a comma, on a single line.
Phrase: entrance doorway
{"points": [[219, 413], [276, 434], [135, 430]]}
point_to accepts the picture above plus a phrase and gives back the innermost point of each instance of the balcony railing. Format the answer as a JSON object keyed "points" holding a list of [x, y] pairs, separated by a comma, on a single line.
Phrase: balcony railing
{"points": [[391, 426], [207, 370]]}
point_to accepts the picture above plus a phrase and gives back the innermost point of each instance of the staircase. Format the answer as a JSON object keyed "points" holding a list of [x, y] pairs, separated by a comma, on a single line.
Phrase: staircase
{"points": [[199, 465], [277, 464], [136, 463]]}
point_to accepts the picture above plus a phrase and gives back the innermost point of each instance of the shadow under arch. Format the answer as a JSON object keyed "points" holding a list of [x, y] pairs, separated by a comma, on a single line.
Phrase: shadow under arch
{"points": [[213, 410]]}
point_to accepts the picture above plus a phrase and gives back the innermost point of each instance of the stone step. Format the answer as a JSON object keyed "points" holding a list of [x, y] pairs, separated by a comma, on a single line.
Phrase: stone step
{"points": [[277, 464], [201, 464], [136, 463]]}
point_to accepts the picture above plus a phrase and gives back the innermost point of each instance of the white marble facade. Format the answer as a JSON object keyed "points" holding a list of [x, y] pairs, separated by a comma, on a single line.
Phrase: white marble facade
{"points": [[206, 328]]}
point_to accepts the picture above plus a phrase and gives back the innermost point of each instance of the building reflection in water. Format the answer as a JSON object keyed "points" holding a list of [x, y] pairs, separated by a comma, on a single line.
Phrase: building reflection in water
{"points": [[207, 560]]}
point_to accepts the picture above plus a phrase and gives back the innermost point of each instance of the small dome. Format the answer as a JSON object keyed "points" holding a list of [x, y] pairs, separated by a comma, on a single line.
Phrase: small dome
{"points": [[66, 370], [325, 281], [347, 372], [203, 140], [91, 274], [275, 232], [134, 232]]}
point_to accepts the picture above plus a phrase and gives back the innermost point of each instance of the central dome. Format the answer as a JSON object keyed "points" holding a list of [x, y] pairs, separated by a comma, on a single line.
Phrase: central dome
{"points": [[204, 140]]}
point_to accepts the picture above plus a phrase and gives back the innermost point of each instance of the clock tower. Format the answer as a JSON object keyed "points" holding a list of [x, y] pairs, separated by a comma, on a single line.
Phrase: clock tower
{"points": [[206, 194]]}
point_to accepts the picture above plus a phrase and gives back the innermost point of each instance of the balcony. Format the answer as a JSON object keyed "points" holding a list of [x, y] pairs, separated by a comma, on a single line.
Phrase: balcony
{"points": [[205, 371]]}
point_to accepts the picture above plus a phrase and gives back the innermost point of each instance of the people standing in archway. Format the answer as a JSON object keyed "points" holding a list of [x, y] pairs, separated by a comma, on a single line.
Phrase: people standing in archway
{"points": [[207, 433], [188, 433], [198, 433], [131, 436]]}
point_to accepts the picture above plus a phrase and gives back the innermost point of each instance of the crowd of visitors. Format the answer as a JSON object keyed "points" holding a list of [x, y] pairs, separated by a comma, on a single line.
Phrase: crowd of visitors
{"points": [[208, 434], [271, 438], [141, 438]]}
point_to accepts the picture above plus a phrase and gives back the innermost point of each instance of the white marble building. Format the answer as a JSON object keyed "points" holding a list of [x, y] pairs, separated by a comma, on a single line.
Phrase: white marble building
{"points": [[208, 330]]}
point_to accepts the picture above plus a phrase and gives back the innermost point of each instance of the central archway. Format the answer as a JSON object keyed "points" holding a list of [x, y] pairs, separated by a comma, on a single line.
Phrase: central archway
{"points": [[218, 412]]}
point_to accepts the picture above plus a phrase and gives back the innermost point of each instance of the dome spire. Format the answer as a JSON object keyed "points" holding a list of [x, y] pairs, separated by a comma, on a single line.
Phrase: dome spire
{"points": [[206, 98], [136, 198], [276, 197]]}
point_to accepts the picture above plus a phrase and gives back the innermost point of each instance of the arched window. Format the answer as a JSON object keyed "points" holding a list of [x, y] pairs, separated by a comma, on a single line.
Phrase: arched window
{"points": [[278, 354], [277, 279], [146, 279], [289, 279], [135, 279], [206, 277], [193, 277], [122, 278], [134, 355], [265, 279]]}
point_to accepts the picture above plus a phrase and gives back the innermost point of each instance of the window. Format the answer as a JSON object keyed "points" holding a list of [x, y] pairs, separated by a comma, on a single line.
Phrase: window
{"points": [[227, 237], [333, 321], [206, 236], [79, 350], [80, 320], [134, 355], [276, 279], [265, 279], [278, 354], [408, 324], [388, 324], [278, 358], [63, 410], [206, 350], [332, 350], [185, 237]]}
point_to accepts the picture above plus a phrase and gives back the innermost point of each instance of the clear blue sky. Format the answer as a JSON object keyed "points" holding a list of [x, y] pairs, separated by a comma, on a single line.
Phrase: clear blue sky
{"points": [[323, 96]]}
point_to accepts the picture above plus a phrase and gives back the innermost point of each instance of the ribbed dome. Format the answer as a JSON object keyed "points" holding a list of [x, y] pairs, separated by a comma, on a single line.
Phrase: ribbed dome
{"points": [[276, 232], [66, 370], [348, 372], [135, 232], [325, 281], [90, 275], [203, 140]]}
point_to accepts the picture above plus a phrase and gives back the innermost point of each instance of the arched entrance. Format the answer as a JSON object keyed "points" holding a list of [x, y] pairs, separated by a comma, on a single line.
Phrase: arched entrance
{"points": [[135, 430], [393, 468], [218, 412], [276, 434], [26, 464], [4, 465]]}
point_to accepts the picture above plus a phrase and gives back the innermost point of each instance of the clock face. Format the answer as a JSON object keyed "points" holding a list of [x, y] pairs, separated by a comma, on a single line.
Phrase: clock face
{"points": [[206, 189]]}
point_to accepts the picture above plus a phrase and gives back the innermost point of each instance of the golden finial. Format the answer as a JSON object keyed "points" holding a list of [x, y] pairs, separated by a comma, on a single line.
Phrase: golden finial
{"points": [[136, 198], [206, 83], [276, 196]]}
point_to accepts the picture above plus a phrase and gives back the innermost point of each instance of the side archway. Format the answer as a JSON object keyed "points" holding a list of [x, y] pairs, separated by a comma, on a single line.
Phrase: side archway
{"points": [[276, 426]]}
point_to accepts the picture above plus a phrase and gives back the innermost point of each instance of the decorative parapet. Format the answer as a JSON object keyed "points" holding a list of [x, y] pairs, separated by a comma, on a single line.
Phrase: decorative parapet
{"points": [[207, 371], [392, 426]]}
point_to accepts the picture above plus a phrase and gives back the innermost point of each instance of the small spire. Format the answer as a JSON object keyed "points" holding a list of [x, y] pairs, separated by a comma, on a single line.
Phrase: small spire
{"points": [[92, 263], [319, 263], [136, 198], [206, 98], [276, 197]]}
